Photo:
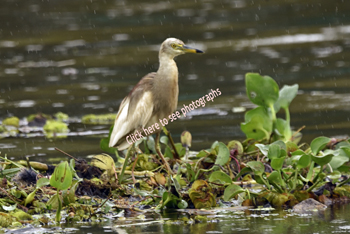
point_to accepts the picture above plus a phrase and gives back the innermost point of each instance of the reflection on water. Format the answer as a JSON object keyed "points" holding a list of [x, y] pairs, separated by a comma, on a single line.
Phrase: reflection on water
{"points": [[83, 57], [332, 220]]}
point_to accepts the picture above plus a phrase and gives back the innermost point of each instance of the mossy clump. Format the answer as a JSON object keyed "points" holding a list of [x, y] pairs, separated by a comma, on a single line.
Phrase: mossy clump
{"points": [[11, 121], [98, 119]]}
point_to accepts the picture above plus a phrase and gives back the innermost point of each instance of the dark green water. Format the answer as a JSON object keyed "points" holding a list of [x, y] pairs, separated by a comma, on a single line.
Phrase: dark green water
{"points": [[84, 56]]}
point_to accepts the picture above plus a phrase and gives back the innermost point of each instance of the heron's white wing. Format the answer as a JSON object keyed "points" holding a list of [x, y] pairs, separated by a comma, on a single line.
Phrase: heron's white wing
{"points": [[127, 121]]}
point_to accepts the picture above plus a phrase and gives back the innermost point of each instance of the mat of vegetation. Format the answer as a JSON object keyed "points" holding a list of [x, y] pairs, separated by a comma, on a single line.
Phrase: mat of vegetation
{"points": [[271, 168]]}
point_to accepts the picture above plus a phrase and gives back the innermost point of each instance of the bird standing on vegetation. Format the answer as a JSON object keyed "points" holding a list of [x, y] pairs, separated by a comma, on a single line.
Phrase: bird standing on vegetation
{"points": [[151, 100]]}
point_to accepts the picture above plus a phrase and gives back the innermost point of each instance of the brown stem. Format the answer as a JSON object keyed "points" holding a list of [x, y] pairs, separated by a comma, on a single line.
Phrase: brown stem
{"points": [[65, 153], [10, 196]]}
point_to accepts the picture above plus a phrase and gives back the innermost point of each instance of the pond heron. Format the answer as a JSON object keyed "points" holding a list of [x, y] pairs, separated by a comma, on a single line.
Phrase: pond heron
{"points": [[153, 98]]}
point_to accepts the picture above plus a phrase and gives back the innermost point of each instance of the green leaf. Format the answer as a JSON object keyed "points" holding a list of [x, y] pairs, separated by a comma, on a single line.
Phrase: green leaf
{"points": [[263, 148], [283, 129], [260, 111], [180, 149], [168, 153], [286, 96], [281, 144], [334, 176], [220, 176], [344, 151], [223, 154], [42, 182], [275, 177], [213, 146], [304, 161], [261, 90], [319, 144], [182, 204], [104, 143], [231, 191], [202, 154], [61, 177], [30, 197], [242, 172], [338, 161], [190, 173], [255, 128], [277, 163], [257, 167], [164, 140], [274, 151], [323, 159], [151, 143]]}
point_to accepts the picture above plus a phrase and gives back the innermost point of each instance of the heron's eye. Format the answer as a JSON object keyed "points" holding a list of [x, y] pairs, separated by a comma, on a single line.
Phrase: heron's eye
{"points": [[173, 45]]}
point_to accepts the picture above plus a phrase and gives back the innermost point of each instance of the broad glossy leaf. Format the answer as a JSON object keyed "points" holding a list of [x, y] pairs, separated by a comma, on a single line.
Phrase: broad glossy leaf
{"points": [[281, 144], [61, 177], [304, 161], [261, 90], [231, 191], [201, 154], [323, 159], [274, 152], [164, 140], [242, 172], [223, 154], [220, 176], [263, 148], [182, 204], [260, 111], [337, 161], [277, 163], [275, 177], [255, 129], [335, 175], [344, 151], [319, 144], [283, 129], [213, 146], [286, 96], [257, 167]]}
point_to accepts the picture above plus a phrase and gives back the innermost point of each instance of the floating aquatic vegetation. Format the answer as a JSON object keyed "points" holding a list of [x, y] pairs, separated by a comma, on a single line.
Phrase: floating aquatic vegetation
{"points": [[269, 168]]}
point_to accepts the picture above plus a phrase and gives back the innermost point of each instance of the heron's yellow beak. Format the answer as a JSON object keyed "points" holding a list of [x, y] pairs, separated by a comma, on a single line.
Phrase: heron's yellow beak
{"points": [[188, 49]]}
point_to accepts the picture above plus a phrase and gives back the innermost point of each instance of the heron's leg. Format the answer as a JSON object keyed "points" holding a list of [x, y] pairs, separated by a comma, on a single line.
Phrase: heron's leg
{"points": [[128, 154], [157, 146], [176, 156]]}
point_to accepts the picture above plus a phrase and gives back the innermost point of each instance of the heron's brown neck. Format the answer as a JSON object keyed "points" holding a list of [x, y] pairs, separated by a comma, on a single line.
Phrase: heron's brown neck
{"points": [[165, 83], [167, 68]]}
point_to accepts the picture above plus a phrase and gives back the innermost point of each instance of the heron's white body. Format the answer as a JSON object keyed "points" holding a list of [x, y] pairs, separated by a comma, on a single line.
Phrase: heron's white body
{"points": [[154, 98]]}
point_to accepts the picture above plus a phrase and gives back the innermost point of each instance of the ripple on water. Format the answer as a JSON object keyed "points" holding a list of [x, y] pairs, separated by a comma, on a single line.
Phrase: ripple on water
{"points": [[7, 146], [25, 103]]}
